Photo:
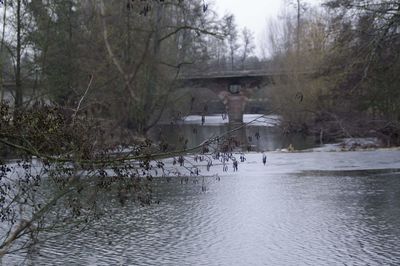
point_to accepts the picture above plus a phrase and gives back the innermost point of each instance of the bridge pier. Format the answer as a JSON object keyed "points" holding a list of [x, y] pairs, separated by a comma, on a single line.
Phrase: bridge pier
{"points": [[235, 104]]}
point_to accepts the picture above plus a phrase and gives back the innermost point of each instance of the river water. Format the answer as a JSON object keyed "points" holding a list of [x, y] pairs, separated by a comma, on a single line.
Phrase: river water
{"points": [[302, 208]]}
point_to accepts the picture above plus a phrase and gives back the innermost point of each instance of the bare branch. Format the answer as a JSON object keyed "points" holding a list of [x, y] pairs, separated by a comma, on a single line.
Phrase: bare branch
{"points": [[111, 54], [82, 98]]}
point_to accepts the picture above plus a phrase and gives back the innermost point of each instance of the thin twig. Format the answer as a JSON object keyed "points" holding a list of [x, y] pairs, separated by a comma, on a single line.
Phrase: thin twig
{"points": [[81, 100]]}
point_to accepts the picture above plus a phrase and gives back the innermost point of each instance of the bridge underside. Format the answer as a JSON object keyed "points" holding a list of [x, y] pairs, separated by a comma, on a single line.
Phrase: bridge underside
{"points": [[233, 91]]}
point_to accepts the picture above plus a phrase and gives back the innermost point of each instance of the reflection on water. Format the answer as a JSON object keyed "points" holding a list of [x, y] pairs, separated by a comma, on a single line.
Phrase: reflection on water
{"points": [[258, 137], [258, 133]]}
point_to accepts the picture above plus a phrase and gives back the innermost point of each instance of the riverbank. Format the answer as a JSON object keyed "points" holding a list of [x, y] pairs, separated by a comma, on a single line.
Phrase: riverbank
{"points": [[347, 144], [384, 133]]}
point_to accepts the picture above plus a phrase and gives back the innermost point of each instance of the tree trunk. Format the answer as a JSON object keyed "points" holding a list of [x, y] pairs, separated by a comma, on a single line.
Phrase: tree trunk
{"points": [[18, 83], [1, 51], [298, 30]]}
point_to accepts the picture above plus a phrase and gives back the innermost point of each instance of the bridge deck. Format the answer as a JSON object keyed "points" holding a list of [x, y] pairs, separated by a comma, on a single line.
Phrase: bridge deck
{"points": [[254, 73], [229, 74]]}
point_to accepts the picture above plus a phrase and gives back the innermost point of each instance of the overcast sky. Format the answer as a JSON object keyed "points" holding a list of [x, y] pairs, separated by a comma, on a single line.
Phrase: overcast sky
{"points": [[253, 14]]}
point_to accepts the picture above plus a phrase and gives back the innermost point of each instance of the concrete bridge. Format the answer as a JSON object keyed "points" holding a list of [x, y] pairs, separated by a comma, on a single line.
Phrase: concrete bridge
{"points": [[233, 88]]}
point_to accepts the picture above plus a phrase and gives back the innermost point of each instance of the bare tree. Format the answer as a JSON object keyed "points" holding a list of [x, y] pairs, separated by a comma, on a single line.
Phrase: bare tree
{"points": [[231, 33], [2, 50], [18, 54], [247, 45]]}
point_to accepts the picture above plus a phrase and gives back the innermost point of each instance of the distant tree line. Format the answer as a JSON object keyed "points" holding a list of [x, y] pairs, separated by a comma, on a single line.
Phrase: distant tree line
{"points": [[343, 65], [116, 60]]}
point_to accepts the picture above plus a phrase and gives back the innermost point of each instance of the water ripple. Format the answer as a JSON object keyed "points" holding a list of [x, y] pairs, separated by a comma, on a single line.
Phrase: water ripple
{"points": [[253, 218]]}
